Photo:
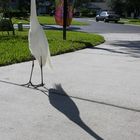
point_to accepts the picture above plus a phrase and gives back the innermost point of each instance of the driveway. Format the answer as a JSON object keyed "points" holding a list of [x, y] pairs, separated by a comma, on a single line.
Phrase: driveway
{"points": [[90, 94]]}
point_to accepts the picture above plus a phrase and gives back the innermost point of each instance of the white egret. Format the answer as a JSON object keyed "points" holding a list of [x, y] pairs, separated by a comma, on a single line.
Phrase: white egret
{"points": [[38, 43]]}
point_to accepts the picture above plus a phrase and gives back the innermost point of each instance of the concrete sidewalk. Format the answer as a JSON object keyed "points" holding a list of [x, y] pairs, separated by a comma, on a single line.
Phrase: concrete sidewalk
{"points": [[102, 99]]}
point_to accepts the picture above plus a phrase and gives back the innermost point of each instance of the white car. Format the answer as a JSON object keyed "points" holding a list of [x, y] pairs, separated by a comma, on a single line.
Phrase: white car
{"points": [[107, 16]]}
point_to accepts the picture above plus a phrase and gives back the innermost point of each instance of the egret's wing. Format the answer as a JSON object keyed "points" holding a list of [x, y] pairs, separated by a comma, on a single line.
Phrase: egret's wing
{"points": [[39, 46], [44, 45], [38, 42]]}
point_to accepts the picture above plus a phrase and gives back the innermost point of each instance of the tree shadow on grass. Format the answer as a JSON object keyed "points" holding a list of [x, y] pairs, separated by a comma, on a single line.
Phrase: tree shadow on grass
{"points": [[56, 27], [66, 105]]}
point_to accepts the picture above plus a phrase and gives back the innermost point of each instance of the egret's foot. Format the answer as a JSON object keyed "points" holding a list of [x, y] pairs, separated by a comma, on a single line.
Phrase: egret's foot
{"points": [[29, 84], [39, 85]]}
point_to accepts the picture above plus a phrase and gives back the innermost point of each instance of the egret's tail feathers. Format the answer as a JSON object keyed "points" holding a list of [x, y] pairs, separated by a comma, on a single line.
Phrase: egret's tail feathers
{"points": [[49, 65], [48, 60]]}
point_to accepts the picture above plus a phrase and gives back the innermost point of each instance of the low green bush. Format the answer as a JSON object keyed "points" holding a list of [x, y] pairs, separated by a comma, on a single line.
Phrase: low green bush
{"points": [[6, 25], [17, 14], [88, 12]]}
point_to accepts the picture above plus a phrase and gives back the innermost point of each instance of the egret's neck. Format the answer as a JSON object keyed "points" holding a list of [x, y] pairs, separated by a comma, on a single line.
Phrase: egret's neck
{"points": [[33, 9]]}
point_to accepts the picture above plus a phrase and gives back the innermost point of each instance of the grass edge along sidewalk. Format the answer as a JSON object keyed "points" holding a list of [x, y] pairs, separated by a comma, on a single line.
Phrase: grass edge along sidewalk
{"points": [[46, 20], [14, 49]]}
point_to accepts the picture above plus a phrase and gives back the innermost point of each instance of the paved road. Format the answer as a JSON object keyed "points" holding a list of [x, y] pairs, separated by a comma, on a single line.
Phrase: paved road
{"points": [[95, 27], [101, 27], [103, 101]]}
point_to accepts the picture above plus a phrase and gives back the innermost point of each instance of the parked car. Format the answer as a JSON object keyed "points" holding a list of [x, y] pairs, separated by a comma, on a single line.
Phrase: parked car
{"points": [[52, 12], [107, 16]]}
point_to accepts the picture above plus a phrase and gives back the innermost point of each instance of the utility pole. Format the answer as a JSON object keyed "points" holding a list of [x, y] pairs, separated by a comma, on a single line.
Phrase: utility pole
{"points": [[65, 19]]}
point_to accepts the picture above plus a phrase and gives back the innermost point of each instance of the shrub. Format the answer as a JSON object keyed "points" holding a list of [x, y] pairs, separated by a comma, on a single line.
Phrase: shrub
{"points": [[88, 12], [16, 14], [6, 25]]}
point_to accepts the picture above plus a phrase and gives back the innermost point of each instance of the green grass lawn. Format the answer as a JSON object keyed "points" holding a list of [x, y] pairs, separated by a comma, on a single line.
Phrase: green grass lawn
{"points": [[130, 21], [14, 49], [134, 21], [51, 21], [45, 20]]}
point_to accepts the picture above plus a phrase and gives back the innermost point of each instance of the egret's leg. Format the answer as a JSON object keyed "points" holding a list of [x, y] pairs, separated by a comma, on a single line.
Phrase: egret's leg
{"points": [[31, 72], [30, 83], [42, 84], [41, 68]]}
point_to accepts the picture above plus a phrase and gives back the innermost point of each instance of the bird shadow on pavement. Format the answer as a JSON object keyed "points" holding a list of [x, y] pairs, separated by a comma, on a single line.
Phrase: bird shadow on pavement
{"points": [[62, 102], [59, 99], [61, 92]]}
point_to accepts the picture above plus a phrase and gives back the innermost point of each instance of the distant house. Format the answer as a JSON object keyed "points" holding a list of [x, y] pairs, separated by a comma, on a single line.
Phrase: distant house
{"points": [[43, 6], [103, 4], [14, 4], [99, 5]]}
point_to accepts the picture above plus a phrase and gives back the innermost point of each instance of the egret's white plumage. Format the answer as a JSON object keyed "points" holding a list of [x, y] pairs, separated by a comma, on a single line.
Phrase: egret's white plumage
{"points": [[38, 43]]}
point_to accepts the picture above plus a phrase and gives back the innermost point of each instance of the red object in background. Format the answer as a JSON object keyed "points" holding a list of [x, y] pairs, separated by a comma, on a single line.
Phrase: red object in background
{"points": [[59, 12]]}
